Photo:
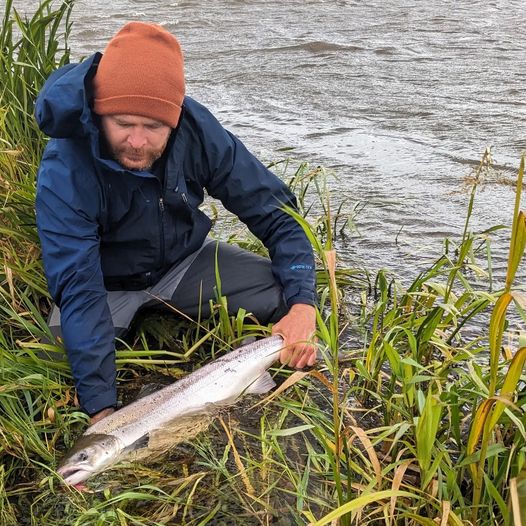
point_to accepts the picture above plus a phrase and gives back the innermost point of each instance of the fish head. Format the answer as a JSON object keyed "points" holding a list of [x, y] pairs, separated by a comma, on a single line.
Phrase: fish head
{"points": [[91, 454]]}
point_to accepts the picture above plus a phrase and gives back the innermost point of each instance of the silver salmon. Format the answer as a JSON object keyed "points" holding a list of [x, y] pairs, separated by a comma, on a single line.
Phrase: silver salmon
{"points": [[218, 383]]}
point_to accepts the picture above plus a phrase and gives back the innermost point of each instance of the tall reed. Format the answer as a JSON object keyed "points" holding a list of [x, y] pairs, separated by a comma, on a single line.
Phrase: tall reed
{"points": [[31, 49], [490, 410]]}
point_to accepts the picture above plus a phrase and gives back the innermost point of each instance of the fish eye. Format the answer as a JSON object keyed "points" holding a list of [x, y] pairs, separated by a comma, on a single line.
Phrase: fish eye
{"points": [[83, 456]]}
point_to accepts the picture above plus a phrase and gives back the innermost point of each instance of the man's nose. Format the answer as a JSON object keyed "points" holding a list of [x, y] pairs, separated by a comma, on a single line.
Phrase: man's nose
{"points": [[136, 139]]}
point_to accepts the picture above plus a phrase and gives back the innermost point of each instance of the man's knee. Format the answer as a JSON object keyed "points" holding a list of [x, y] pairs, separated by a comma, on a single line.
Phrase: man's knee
{"points": [[269, 305], [56, 332], [246, 280]]}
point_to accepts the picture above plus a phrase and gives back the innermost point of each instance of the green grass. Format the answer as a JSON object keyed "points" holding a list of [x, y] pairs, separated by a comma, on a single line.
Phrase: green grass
{"points": [[420, 421]]}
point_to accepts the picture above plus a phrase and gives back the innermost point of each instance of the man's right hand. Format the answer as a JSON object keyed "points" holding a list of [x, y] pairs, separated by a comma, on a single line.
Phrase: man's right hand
{"points": [[297, 329], [101, 414]]}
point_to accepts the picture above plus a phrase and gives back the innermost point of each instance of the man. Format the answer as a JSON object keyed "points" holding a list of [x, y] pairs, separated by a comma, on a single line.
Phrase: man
{"points": [[118, 192]]}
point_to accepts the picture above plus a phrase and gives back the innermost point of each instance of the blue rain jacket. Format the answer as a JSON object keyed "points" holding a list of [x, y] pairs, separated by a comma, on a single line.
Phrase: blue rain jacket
{"points": [[97, 220]]}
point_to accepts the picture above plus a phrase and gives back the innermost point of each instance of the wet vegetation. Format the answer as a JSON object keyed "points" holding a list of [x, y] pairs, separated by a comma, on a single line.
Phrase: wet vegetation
{"points": [[410, 417]]}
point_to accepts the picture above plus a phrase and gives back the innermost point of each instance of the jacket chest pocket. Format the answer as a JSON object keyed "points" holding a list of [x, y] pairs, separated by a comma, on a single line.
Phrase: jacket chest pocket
{"points": [[130, 205], [179, 207], [183, 201]]}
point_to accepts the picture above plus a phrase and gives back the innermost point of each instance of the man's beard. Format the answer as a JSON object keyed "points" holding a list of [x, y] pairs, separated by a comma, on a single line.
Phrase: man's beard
{"points": [[136, 158]]}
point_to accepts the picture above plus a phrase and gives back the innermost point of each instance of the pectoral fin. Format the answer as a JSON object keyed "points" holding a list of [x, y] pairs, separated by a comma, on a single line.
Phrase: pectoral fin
{"points": [[261, 385], [140, 443]]}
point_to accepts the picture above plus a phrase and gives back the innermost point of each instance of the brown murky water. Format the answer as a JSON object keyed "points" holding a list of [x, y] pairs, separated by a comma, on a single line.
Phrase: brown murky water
{"points": [[399, 98]]}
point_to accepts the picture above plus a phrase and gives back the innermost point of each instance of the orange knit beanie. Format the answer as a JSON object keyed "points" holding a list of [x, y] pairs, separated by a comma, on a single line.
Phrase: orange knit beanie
{"points": [[141, 73]]}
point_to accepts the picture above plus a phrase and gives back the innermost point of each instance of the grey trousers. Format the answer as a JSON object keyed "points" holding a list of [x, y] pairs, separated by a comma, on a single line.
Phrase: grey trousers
{"points": [[246, 281]]}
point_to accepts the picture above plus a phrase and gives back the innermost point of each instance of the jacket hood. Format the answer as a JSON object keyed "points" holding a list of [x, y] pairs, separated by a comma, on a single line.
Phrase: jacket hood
{"points": [[62, 108]]}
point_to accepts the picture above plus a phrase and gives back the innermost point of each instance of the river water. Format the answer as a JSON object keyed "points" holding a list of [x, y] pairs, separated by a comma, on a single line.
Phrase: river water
{"points": [[398, 99]]}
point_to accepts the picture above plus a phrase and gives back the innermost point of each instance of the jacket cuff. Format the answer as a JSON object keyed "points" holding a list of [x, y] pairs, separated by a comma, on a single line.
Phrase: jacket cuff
{"points": [[100, 402], [305, 298]]}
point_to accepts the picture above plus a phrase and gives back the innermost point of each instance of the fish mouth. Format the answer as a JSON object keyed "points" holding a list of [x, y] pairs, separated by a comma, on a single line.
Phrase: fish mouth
{"points": [[74, 475]]}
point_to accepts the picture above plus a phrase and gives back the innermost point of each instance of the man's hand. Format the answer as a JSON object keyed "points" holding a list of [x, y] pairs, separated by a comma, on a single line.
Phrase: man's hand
{"points": [[297, 328], [101, 414]]}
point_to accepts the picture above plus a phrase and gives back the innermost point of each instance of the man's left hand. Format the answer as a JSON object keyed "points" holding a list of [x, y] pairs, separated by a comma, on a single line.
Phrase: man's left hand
{"points": [[101, 414], [297, 328]]}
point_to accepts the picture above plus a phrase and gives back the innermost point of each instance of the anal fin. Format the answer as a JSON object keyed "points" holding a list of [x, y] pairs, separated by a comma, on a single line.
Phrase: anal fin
{"points": [[262, 385]]}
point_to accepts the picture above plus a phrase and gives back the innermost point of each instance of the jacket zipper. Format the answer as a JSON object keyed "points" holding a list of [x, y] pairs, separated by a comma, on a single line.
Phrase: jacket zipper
{"points": [[161, 216]]}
